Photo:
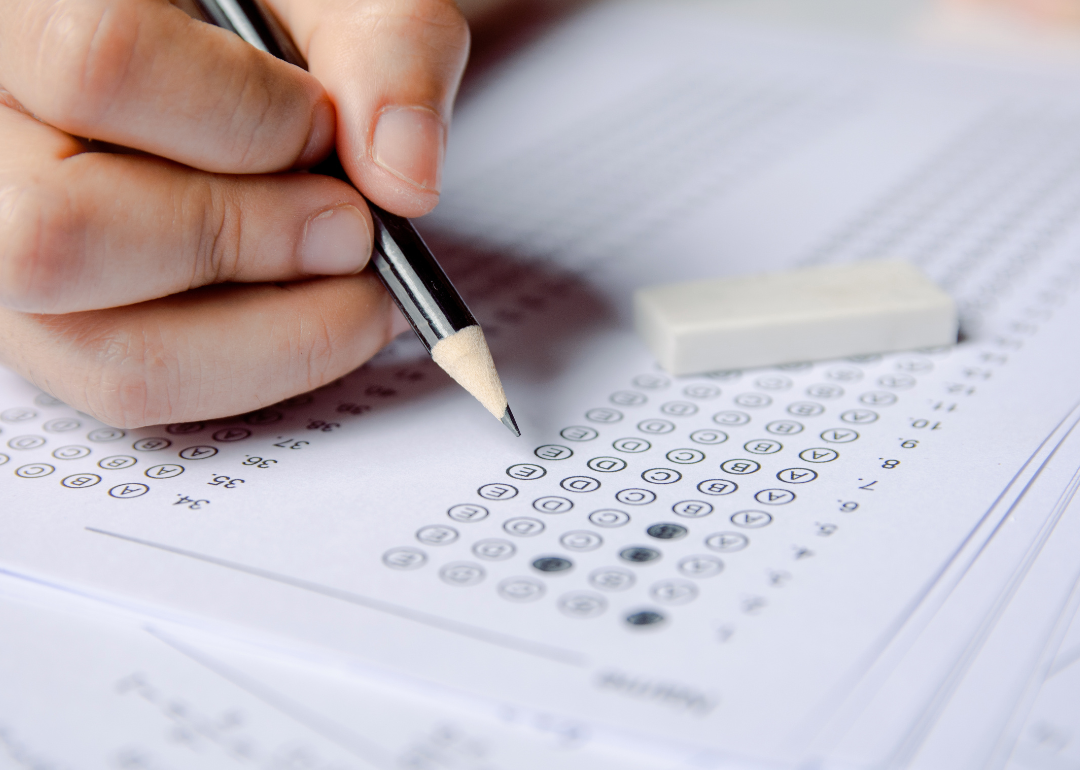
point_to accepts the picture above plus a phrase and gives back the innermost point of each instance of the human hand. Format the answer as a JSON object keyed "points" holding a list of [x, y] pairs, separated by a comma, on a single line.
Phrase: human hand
{"points": [[180, 284]]}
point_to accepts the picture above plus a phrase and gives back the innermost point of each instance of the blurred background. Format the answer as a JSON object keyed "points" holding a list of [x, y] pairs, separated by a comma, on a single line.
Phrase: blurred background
{"points": [[1031, 28]]}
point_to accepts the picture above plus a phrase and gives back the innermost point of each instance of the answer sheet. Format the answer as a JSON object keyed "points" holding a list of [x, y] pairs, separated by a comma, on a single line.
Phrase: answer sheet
{"points": [[805, 563], [89, 689]]}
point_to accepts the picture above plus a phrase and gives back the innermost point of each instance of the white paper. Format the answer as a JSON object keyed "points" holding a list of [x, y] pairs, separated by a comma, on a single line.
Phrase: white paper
{"points": [[90, 689], [640, 146]]}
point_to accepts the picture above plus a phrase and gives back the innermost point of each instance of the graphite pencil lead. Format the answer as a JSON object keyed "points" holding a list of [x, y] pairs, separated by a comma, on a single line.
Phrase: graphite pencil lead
{"points": [[509, 421]]}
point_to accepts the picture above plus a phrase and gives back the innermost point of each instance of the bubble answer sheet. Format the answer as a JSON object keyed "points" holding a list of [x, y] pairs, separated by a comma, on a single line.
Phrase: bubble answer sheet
{"points": [[852, 563]]}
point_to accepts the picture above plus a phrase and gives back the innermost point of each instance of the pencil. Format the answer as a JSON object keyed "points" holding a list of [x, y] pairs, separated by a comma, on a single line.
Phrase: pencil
{"points": [[401, 259]]}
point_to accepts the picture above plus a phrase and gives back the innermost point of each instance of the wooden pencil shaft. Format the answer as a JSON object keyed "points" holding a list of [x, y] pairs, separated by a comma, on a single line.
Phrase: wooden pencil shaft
{"points": [[403, 262]]}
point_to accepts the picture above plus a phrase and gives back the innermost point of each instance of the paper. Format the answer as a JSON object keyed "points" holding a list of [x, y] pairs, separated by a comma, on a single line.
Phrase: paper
{"points": [[771, 566], [90, 689]]}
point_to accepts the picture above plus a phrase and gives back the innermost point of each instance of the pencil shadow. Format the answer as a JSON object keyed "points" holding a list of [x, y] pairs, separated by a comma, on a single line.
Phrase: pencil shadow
{"points": [[534, 315]]}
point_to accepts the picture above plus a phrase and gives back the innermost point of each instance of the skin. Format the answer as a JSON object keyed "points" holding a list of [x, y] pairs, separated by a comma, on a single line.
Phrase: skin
{"points": [[186, 280]]}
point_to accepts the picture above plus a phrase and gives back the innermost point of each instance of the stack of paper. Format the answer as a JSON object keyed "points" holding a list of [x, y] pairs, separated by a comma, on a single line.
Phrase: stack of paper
{"points": [[854, 564]]}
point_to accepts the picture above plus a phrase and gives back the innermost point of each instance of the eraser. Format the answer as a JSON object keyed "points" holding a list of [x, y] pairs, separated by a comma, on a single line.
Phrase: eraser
{"points": [[799, 315]]}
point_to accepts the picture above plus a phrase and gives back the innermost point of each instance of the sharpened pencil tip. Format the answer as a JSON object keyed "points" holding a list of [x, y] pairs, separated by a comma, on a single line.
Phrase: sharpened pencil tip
{"points": [[509, 421]]}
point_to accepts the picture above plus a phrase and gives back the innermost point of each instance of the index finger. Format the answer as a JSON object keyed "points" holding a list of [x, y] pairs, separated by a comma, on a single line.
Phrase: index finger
{"points": [[143, 74]]}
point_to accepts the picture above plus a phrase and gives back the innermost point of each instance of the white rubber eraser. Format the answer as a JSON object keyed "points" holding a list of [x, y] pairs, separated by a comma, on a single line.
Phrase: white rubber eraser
{"points": [[800, 315]]}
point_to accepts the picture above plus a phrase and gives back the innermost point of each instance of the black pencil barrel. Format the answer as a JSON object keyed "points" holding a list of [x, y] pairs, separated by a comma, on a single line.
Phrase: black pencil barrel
{"points": [[401, 259]]}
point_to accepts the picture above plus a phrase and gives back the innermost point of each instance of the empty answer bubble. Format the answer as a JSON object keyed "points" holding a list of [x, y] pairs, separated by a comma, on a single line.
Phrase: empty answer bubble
{"points": [[700, 566], [467, 512], [753, 400], [437, 535], [819, 455], [578, 433], [26, 442], [34, 470], [581, 604], [661, 476], [717, 487], [497, 491], [727, 542], [796, 475], [151, 444], [526, 471], [493, 549], [673, 592], [692, 509], [733, 419], [523, 526], [763, 446], [581, 540], [651, 381], [552, 504], [521, 589], [751, 519], [117, 462], [701, 391], [805, 409], [81, 480], [612, 579], [632, 445], [839, 435], [740, 467], [708, 437], [609, 518], [553, 452], [18, 414], [404, 558], [607, 464], [102, 435], [679, 408], [128, 491], [775, 496], [603, 415], [878, 398], [580, 484], [635, 496], [462, 574], [773, 382], [825, 390], [859, 416], [685, 456], [231, 434], [627, 398]]}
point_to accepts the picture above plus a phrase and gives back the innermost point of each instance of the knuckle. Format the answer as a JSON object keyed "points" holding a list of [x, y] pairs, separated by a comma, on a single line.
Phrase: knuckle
{"points": [[37, 250], [254, 119], [131, 380], [88, 56], [216, 219], [310, 346]]}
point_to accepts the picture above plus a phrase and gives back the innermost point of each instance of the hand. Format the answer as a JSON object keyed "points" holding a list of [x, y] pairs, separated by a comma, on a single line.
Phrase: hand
{"points": [[187, 281]]}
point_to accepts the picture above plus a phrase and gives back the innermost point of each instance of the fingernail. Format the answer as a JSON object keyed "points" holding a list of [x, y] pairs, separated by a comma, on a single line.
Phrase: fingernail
{"points": [[408, 143], [398, 324], [321, 135], [335, 242]]}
